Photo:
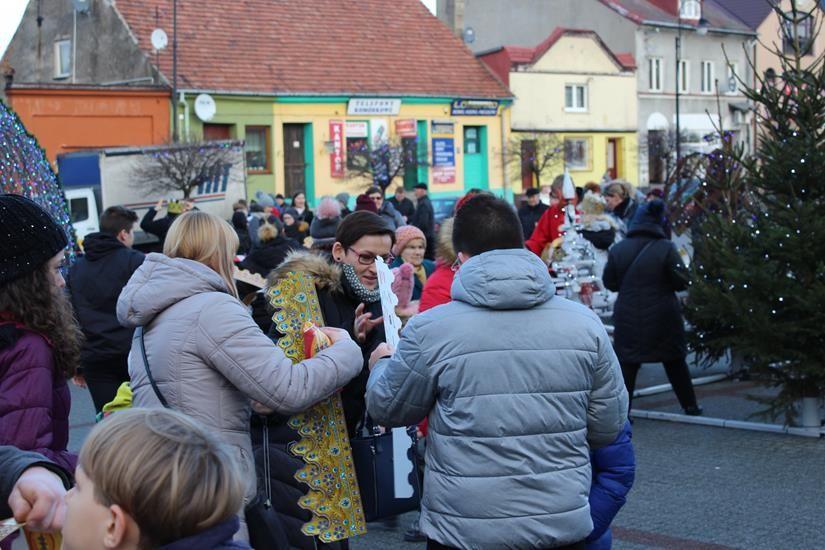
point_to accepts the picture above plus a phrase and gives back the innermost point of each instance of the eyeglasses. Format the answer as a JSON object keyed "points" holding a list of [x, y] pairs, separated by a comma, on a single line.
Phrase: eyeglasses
{"points": [[368, 258], [377, 198], [456, 264]]}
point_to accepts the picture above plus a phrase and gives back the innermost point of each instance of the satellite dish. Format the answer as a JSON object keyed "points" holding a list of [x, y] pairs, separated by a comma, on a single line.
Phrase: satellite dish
{"points": [[81, 6], [159, 39], [205, 107], [469, 35]]}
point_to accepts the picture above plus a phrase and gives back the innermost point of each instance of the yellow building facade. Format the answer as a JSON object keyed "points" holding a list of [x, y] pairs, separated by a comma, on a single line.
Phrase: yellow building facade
{"points": [[573, 87], [453, 152]]}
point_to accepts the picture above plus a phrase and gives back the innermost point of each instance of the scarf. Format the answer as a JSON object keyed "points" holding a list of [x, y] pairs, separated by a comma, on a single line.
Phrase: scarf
{"points": [[361, 292], [420, 274]]}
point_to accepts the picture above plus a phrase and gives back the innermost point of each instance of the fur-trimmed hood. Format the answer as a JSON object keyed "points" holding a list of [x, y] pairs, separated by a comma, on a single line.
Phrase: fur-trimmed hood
{"points": [[327, 274]]}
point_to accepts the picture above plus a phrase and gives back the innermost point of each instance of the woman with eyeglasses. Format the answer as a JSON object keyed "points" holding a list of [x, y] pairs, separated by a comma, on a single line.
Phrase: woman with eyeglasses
{"points": [[349, 298]]}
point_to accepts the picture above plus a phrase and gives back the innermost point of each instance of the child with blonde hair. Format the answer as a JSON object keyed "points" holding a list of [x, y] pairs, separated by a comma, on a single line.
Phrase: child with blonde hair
{"points": [[154, 478]]}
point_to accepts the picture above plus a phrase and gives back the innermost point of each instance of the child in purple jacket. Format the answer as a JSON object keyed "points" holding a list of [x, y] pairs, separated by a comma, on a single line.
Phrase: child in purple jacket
{"points": [[39, 339]]}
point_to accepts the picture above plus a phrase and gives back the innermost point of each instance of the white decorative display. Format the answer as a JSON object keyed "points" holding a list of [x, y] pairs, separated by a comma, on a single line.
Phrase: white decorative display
{"points": [[402, 465], [392, 323]]}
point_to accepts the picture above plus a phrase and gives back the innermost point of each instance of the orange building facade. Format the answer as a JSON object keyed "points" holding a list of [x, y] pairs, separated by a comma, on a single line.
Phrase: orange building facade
{"points": [[71, 118]]}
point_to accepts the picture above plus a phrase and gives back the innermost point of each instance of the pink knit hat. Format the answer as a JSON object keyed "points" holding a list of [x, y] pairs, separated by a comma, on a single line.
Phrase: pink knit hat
{"points": [[403, 236]]}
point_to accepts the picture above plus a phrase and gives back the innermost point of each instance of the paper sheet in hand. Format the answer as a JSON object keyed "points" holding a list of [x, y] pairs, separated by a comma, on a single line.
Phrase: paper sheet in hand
{"points": [[392, 323]]}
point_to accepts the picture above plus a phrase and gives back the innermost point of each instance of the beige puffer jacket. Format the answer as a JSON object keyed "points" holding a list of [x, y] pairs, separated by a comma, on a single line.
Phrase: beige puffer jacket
{"points": [[209, 358]]}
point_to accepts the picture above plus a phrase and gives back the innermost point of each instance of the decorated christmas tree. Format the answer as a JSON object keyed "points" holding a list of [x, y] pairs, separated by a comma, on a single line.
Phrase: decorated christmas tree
{"points": [[759, 286], [25, 170]]}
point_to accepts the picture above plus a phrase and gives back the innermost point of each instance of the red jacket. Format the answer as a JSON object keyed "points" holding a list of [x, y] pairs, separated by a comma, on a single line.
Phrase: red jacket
{"points": [[547, 230], [437, 289]]}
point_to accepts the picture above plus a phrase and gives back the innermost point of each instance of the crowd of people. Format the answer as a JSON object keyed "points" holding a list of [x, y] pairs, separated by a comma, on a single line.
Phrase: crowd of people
{"points": [[516, 391]]}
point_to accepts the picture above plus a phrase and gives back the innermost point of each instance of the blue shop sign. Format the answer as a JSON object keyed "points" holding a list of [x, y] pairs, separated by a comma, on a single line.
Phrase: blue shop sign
{"points": [[474, 107]]}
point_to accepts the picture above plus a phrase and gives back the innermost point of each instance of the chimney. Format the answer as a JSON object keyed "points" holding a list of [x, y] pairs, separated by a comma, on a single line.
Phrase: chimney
{"points": [[454, 15]]}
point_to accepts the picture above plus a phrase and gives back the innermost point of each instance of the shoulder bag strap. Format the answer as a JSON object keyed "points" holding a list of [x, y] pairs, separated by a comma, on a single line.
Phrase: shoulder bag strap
{"points": [[636, 261], [139, 334]]}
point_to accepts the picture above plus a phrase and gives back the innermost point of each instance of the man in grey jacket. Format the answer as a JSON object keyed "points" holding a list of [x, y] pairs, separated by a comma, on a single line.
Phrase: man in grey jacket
{"points": [[518, 386]]}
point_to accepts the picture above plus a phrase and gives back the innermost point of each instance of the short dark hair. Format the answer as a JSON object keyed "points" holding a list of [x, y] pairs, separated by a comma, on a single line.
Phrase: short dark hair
{"points": [[116, 219], [423, 186], [486, 223], [374, 189], [532, 192], [360, 224]]}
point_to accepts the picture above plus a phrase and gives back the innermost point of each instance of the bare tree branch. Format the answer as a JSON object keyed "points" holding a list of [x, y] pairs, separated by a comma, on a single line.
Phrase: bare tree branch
{"points": [[181, 167]]}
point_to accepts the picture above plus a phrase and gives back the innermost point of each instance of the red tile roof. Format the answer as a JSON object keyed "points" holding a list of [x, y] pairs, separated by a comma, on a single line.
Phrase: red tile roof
{"points": [[519, 55], [646, 12], [317, 47]]}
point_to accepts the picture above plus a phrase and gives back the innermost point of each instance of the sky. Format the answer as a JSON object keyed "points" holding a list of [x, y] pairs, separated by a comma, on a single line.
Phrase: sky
{"points": [[12, 10], [10, 13]]}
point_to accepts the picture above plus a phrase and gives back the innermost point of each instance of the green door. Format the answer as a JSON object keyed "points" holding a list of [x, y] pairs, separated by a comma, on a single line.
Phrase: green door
{"points": [[475, 157]]}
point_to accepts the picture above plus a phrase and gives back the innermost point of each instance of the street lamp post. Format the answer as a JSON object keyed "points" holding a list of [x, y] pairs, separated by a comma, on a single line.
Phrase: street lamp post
{"points": [[678, 62], [174, 70], [701, 30]]}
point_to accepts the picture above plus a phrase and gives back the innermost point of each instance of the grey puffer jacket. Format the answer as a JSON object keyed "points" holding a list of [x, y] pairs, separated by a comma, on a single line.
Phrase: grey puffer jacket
{"points": [[209, 358], [518, 385]]}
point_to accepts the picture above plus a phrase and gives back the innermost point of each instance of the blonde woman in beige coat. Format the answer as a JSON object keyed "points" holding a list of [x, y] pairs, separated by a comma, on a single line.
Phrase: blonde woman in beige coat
{"points": [[206, 354]]}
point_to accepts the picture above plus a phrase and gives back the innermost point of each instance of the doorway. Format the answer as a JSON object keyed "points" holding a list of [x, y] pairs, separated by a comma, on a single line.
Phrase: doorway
{"points": [[613, 158], [475, 157], [294, 159]]}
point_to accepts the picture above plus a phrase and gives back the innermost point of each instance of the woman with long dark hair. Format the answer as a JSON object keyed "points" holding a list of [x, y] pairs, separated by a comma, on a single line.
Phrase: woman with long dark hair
{"points": [[39, 337]]}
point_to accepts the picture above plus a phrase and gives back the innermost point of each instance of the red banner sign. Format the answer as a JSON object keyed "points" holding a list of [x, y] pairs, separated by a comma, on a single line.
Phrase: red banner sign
{"points": [[406, 128], [336, 157]]}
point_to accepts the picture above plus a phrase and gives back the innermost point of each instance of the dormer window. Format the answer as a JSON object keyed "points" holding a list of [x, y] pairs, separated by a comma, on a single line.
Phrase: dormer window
{"points": [[690, 9]]}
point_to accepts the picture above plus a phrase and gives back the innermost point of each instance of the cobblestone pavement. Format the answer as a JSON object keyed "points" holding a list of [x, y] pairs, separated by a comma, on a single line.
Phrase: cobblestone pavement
{"points": [[697, 487]]}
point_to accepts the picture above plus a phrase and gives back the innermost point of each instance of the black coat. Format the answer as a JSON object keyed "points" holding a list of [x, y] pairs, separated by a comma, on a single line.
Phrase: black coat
{"points": [[95, 282], [405, 207], [424, 218], [338, 308], [647, 315], [529, 216], [158, 228], [268, 255]]}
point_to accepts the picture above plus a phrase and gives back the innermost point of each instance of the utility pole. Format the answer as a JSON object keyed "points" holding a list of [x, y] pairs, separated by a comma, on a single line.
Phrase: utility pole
{"points": [[678, 128], [175, 70]]}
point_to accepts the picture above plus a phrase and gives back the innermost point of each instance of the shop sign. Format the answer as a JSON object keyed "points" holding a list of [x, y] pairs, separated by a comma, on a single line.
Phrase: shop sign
{"points": [[406, 128], [336, 158], [358, 129], [442, 127], [443, 160], [474, 107], [373, 106]]}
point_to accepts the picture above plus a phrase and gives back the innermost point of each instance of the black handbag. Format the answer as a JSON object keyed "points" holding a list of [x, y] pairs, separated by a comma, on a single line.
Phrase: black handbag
{"points": [[376, 460], [265, 528]]}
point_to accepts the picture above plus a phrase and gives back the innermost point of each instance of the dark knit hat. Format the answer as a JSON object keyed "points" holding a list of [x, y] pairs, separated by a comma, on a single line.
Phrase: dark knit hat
{"points": [[363, 202], [650, 216], [29, 235]]}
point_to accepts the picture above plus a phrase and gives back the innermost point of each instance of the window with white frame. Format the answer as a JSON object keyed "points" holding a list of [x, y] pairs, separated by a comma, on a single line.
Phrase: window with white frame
{"points": [[707, 77], [577, 153], [655, 74], [62, 58], [575, 97], [732, 84], [684, 76], [690, 9]]}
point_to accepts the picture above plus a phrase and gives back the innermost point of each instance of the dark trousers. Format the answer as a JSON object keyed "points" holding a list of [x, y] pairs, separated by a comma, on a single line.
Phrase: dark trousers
{"points": [[104, 378], [678, 375], [432, 545]]}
